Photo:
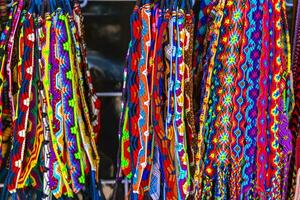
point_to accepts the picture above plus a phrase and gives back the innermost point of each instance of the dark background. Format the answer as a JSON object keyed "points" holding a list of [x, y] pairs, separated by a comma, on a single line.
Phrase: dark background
{"points": [[107, 28]]}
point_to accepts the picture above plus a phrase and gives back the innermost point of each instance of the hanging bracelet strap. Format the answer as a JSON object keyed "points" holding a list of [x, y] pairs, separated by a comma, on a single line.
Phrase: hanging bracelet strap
{"points": [[92, 122], [170, 51], [60, 180], [188, 95], [93, 103], [160, 96], [68, 98], [286, 104], [234, 45], [205, 155], [227, 58], [150, 173], [270, 98], [129, 85], [8, 34], [44, 35], [92, 99], [251, 64], [144, 100], [34, 132], [123, 155], [295, 118], [262, 123], [3, 56], [133, 89], [81, 104], [124, 160], [21, 123], [274, 180], [179, 122], [10, 46], [200, 47], [152, 181], [156, 124], [82, 136]]}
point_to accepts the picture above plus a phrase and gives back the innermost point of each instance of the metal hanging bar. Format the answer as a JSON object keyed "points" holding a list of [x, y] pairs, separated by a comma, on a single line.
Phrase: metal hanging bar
{"points": [[84, 3], [289, 4], [109, 94]]}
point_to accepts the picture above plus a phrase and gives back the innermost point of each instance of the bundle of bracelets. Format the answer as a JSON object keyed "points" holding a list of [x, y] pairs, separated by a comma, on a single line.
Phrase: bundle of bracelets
{"points": [[49, 116]]}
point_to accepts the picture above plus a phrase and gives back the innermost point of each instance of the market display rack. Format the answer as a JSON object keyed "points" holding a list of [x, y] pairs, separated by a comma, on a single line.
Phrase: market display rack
{"points": [[125, 181]]}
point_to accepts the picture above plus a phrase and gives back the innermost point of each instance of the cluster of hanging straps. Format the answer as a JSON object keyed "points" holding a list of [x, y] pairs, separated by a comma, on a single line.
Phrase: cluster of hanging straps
{"points": [[43, 2], [170, 4]]}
